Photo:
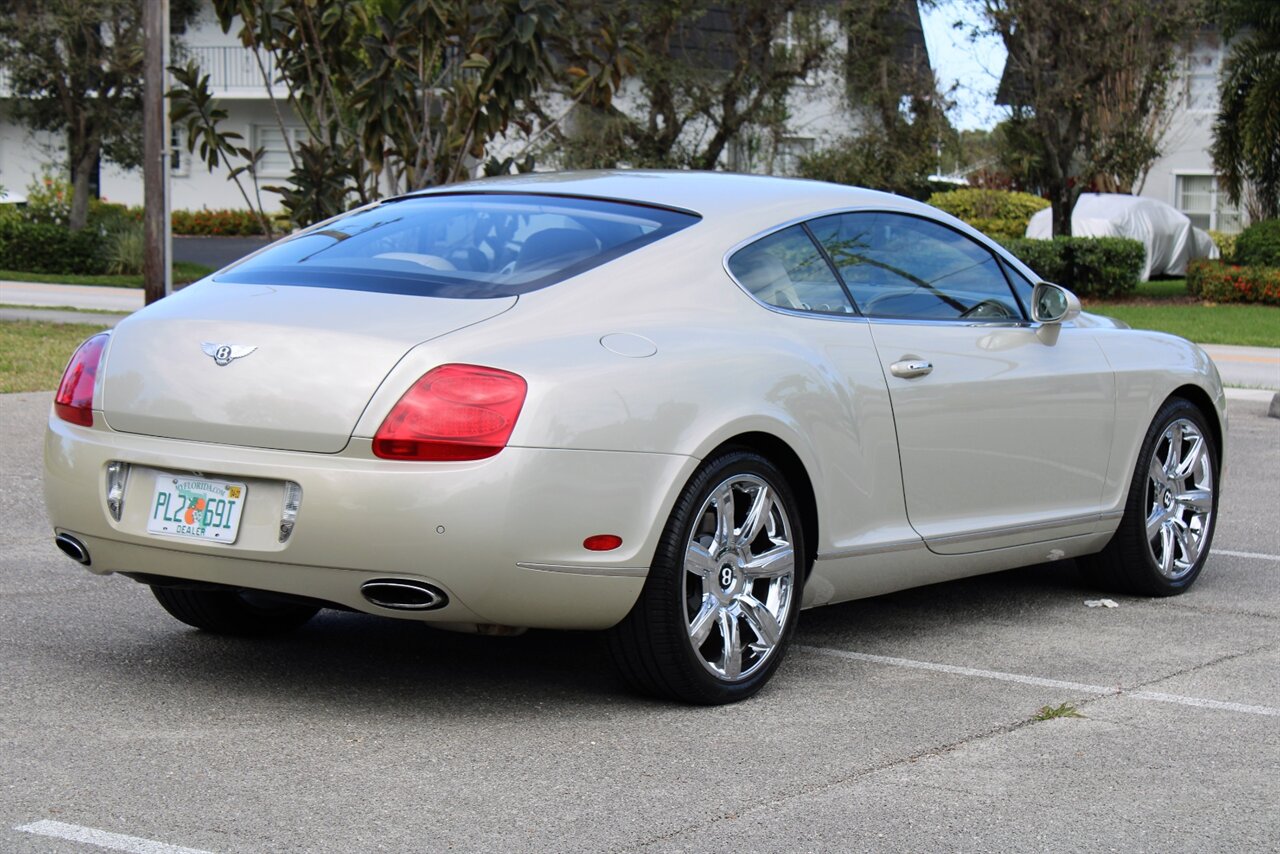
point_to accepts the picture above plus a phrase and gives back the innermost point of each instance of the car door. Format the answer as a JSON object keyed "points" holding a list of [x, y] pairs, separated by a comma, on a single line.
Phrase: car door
{"points": [[1003, 425]]}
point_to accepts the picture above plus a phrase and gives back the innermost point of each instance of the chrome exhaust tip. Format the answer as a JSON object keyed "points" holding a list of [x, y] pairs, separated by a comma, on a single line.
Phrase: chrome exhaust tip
{"points": [[72, 548], [403, 594]]}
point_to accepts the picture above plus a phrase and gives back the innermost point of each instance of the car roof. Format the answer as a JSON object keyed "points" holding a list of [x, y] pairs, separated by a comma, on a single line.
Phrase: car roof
{"points": [[721, 197]]}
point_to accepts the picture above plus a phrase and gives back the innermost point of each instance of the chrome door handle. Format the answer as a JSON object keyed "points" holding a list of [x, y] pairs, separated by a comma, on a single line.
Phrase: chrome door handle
{"points": [[909, 368]]}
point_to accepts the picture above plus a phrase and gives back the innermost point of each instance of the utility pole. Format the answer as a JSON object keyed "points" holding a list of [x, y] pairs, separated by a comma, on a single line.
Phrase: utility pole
{"points": [[157, 267]]}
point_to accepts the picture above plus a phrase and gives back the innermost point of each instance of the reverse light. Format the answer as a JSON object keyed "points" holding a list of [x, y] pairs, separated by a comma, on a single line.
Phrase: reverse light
{"points": [[289, 510], [117, 479], [454, 412], [74, 400]]}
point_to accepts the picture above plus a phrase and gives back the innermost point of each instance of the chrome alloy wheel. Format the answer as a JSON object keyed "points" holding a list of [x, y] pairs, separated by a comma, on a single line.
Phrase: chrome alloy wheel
{"points": [[1179, 499], [739, 577]]}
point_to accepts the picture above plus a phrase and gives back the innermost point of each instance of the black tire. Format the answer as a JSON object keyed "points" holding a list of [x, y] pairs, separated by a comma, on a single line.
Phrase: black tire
{"points": [[1129, 562], [231, 612], [653, 648]]}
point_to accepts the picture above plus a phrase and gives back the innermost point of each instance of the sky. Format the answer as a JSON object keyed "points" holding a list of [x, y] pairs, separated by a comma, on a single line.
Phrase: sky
{"points": [[972, 67]]}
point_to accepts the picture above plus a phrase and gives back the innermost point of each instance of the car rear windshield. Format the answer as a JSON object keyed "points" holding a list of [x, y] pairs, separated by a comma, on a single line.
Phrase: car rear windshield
{"points": [[466, 245]]}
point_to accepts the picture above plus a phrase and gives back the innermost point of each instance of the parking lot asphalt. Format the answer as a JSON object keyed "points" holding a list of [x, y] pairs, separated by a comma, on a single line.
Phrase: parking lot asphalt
{"points": [[902, 723]]}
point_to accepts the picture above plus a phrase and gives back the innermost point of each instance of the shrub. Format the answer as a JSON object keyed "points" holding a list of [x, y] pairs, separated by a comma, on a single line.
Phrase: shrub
{"points": [[1090, 266], [110, 216], [41, 247], [1226, 244], [219, 223], [48, 200], [10, 213], [1001, 214], [1259, 244], [872, 160], [126, 248], [1217, 282]]}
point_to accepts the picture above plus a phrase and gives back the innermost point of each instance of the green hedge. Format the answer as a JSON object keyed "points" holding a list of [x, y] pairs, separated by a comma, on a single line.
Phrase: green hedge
{"points": [[1089, 266], [1259, 244], [220, 223], [38, 247], [1000, 214], [1217, 282]]}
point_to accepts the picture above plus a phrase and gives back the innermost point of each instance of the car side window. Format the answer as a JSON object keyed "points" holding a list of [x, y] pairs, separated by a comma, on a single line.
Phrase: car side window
{"points": [[786, 270], [907, 267]]}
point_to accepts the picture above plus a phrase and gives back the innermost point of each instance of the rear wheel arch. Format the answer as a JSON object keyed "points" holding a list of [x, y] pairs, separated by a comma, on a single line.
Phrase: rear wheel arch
{"points": [[781, 454]]}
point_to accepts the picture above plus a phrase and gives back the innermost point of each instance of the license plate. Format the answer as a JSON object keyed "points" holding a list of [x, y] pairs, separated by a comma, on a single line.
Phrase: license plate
{"points": [[197, 507]]}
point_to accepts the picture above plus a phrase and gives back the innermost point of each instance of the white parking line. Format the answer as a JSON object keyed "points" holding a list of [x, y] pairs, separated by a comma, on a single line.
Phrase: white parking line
{"points": [[104, 839], [1254, 555], [1104, 690]]}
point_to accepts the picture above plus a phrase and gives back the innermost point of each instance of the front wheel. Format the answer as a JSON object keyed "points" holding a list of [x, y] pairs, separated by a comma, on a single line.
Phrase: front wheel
{"points": [[1164, 536], [723, 594]]}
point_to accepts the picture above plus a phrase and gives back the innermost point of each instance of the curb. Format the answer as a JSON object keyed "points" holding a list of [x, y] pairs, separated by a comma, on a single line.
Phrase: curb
{"points": [[50, 315]]}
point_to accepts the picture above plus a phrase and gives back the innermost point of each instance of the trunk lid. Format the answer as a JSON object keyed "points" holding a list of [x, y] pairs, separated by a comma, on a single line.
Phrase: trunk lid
{"points": [[290, 368]]}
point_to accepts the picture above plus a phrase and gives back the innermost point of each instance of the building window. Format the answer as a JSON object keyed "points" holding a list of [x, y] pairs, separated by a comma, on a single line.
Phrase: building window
{"points": [[1200, 74], [275, 162], [179, 157], [790, 150], [1199, 199], [791, 40]]}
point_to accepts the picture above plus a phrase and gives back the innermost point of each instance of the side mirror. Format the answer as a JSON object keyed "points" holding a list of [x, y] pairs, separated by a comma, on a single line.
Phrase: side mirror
{"points": [[1053, 304]]}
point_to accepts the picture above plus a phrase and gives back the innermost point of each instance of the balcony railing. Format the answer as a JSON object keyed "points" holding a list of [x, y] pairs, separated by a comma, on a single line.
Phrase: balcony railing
{"points": [[234, 69]]}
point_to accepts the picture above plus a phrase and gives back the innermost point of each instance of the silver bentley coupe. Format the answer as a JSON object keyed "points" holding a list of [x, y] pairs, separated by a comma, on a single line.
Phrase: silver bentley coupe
{"points": [[675, 407]]}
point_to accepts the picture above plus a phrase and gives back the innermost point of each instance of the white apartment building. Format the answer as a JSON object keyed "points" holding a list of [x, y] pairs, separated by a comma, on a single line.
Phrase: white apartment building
{"points": [[817, 117], [1184, 176]]}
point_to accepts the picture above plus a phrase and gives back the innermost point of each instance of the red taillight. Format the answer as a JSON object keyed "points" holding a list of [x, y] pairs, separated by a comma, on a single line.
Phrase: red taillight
{"points": [[455, 412], [74, 401]]}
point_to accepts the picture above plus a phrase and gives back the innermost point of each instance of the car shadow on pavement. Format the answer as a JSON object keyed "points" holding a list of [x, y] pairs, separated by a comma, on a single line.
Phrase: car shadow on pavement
{"points": [[355, 663]]}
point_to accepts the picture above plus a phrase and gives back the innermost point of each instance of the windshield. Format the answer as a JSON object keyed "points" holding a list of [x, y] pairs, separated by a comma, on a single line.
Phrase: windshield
{"points": [[469, 245]]}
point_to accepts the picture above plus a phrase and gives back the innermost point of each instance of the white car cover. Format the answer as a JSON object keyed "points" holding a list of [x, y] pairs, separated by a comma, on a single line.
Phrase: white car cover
{"points": [[1166, 232]]}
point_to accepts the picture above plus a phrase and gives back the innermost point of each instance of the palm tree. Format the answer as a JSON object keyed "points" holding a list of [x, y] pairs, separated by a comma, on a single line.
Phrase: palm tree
{"points": [[1246, 133]]}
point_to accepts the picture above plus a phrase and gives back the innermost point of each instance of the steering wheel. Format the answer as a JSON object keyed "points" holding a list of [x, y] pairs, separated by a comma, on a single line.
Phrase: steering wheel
{"points": [[988, 308]]}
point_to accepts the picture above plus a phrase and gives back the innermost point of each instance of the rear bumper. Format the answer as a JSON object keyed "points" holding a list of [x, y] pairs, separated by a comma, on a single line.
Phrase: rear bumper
{"points": [[502, 537]]}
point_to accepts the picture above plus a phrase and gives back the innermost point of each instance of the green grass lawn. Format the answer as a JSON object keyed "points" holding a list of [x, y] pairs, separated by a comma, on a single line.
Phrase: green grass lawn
{"points": [[183, 273], [1166, 306], [1163, 289], [1251, 325], [33, 353]]}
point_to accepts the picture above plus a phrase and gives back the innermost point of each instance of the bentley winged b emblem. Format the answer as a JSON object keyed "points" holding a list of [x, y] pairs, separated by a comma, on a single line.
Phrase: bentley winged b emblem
{"points": [[225, 354]]}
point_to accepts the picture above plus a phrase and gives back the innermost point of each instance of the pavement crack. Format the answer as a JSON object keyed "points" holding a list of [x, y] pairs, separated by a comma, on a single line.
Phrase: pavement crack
{"points": [[1230, 656], [828, 785], [1214, 609], [937, 750]]}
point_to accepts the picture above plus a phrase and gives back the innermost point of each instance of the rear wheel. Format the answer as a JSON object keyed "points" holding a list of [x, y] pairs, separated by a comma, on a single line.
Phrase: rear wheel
{"points": [[232, 612], [723, 594], [1164, 537]]}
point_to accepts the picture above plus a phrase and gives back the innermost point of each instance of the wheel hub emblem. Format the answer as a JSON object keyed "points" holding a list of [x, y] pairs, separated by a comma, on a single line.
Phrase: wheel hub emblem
{"points": [[1168, 498], [726, 576]]}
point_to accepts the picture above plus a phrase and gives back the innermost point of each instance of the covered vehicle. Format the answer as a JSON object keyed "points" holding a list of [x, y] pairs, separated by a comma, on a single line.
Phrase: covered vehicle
{"points": [[1165, 232], [677, 407]]}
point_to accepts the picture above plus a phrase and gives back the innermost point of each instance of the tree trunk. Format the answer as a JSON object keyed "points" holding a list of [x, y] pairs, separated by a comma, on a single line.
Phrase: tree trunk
{"points": [[1063, 196], [81, 170]]}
